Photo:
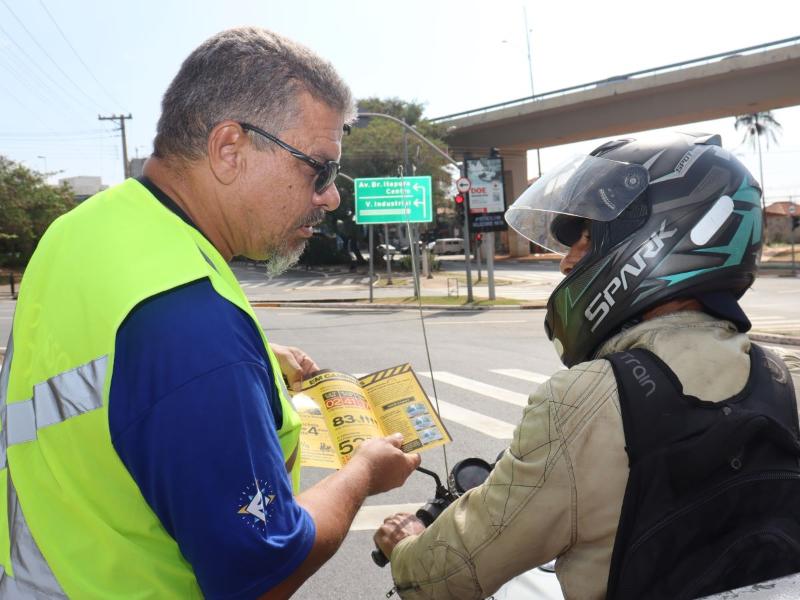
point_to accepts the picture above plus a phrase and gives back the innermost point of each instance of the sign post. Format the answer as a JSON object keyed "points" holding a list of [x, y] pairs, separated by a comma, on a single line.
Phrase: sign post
{"points": [[792, 211], [487, 206], [371, 261]]}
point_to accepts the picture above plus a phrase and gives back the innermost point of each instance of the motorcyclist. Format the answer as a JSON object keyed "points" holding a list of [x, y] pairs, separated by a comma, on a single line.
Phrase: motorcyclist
{"points": [[660, 240]]}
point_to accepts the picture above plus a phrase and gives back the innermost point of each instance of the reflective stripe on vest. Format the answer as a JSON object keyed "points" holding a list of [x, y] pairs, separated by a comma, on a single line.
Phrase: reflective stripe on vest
{"points": [[66, 395], [26, 559]]}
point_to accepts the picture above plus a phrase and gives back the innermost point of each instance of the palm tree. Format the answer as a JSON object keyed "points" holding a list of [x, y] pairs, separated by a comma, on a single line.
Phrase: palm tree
{"points": [[755, 126]]}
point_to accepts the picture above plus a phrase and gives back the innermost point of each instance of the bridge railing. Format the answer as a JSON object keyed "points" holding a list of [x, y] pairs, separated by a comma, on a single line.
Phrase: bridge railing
{"points": [[624, 77]]}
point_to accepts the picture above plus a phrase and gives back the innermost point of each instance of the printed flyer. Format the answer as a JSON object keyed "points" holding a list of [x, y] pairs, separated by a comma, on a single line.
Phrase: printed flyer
{"points": [[340, 411]]}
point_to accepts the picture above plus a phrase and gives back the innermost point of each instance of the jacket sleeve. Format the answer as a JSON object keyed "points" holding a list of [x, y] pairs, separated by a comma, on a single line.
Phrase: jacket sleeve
{"points": [[521, 517]]}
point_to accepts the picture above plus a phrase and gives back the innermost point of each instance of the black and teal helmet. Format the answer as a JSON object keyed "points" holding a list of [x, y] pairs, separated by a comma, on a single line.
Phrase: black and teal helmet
{"points": [[675, 217]]}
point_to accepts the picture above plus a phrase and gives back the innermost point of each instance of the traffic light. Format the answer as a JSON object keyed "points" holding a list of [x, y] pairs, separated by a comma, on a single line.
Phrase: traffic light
{"points": [[795, 222], [460, 204]]}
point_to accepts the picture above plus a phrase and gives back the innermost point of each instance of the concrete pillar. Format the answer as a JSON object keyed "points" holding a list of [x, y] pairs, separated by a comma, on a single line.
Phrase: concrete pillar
{"points": [[517, 164]]}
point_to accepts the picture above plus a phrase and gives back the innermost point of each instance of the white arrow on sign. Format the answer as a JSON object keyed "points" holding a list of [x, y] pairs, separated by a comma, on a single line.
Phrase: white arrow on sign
{"points": [[424, 198]]}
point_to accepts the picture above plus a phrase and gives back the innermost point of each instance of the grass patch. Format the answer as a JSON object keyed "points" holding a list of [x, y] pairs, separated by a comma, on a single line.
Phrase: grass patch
{"points": [[462, 278]]}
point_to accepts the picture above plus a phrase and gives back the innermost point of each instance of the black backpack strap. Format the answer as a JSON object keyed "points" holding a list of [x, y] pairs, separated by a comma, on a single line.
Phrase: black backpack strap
{"points": [[647, 391]]}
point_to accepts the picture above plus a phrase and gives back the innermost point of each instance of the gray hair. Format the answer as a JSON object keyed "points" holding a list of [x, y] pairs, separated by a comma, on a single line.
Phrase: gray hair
{"points": [[243, 74]]}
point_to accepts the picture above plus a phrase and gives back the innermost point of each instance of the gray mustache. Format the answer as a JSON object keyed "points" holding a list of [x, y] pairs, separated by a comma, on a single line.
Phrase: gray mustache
{"points": [[314, 219]]}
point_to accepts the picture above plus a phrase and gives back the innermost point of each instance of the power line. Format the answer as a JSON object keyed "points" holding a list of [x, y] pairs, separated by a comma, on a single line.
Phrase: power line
{"points": [[50, 58], [78, 56], [34, 135], [38, 92], [20, 102], [68, 95]]}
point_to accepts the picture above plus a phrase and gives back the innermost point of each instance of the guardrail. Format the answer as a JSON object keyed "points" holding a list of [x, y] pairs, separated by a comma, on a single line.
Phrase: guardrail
{"points": [[624, 77]]}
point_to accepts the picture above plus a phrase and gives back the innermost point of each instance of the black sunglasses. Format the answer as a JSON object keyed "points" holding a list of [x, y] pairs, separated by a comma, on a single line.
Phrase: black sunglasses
{"points": [[326, 171]]}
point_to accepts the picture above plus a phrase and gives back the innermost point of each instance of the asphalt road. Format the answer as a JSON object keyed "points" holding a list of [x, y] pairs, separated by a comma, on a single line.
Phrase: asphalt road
{"points": [[485, 362], [467, 351]]}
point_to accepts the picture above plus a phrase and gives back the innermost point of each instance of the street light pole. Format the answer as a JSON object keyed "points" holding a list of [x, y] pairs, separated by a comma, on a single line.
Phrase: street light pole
{"points": [[44, 158], [462, 168], [530, 74], [413, 131]]}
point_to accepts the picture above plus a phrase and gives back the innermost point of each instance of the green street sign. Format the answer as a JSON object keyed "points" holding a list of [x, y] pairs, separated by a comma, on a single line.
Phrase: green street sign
{"points": [[393, 200]]}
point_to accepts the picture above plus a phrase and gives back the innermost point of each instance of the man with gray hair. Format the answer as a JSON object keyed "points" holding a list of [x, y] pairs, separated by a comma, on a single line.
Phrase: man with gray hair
{"points": [[149, 445]]}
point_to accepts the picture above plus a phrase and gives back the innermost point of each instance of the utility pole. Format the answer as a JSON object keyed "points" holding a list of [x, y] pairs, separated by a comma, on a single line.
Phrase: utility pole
{"points": [[121, 119]]}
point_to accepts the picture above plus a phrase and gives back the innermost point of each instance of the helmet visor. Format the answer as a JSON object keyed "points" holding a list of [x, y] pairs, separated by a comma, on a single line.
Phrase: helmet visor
{"points": [[585, 187]]}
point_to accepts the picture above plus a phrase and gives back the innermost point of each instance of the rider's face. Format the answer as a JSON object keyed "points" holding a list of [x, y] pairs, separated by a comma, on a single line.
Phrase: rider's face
{"points": [[577, 251]]}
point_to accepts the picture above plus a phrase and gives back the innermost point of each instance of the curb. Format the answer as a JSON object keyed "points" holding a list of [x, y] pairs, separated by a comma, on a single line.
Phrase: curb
{"points": [[350, 305], [774, 338]]}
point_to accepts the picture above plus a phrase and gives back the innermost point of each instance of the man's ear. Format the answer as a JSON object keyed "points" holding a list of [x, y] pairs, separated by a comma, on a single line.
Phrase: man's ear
{"points": [[226, 143]]}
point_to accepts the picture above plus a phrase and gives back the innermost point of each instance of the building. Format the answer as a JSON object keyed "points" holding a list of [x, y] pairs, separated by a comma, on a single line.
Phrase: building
{"points": [[778, 226], [84, 186], [136, 167]]}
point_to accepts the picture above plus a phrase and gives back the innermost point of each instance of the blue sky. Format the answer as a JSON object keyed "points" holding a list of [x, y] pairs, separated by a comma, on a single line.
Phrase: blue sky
{"points": [[119, 57]]}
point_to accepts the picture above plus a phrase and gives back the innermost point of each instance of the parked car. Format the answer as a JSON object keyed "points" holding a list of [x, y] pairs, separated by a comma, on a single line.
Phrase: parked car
{"points": [[407, 248], [385, 250], [447, 246]]}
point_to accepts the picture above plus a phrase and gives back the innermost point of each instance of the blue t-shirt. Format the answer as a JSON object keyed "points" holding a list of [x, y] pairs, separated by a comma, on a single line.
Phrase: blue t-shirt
{"points": [[192, 414]]}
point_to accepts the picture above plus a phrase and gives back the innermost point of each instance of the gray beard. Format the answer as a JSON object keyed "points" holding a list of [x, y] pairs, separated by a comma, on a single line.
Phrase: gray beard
{"points": [[283, 259]]}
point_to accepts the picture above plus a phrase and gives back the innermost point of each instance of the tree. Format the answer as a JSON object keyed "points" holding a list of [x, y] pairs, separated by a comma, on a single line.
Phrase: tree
{"points": [[756, 126], [375, 148], [28, 204]]}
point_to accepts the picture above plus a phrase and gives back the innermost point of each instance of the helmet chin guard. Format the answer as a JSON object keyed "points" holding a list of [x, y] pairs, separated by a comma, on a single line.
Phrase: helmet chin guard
{"points": [[686, 221]]}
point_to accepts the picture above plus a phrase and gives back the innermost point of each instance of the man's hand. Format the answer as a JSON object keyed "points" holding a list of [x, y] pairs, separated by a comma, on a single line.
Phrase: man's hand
{"points": [[386, 465], [394, 529], [294, 363]]}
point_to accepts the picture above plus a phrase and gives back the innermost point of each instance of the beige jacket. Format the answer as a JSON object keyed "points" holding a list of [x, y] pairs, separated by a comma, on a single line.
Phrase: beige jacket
{"points": [[558, 491]]}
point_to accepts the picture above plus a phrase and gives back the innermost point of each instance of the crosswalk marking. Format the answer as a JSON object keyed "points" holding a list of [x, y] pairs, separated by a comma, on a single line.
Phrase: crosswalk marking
{"points": [[522, 374], [474, 420], [479, 387]]}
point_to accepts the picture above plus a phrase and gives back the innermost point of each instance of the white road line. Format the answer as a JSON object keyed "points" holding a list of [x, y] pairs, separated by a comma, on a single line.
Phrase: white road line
{"points": [[308, 283], [330, 281], [474, 420], [364, 280], [479, 387], [347, 281], [484, 322], [369, 518], [522, 374]]}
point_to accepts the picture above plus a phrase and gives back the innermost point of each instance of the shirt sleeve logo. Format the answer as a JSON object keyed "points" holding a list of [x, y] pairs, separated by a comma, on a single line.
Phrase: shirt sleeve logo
{"points": [[255, 504]]}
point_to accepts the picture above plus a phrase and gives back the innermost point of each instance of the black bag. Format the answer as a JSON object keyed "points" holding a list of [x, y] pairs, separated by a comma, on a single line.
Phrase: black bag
{"points": [[713, 496]]}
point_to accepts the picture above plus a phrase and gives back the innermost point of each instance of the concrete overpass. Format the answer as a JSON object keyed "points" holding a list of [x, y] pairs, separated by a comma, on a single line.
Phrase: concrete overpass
{"points": [[743, 81]]}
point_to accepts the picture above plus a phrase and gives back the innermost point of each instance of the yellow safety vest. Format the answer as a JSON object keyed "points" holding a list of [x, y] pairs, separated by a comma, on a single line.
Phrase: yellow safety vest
{"points": [[72, 520]]}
